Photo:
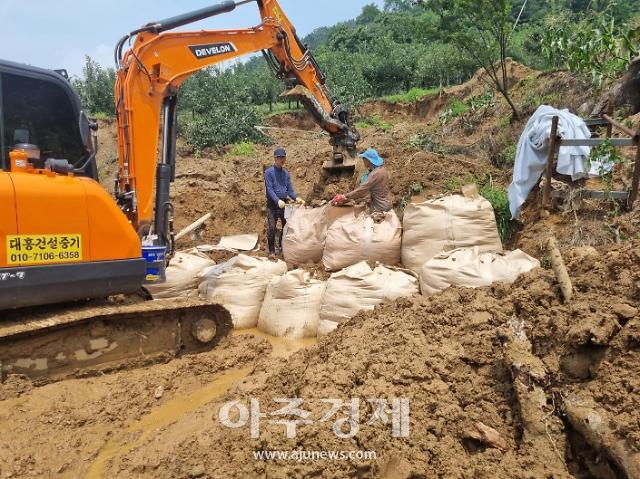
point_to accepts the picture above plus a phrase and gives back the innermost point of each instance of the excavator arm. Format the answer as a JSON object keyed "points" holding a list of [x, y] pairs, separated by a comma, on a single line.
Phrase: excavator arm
{"points": [[159, 61]]}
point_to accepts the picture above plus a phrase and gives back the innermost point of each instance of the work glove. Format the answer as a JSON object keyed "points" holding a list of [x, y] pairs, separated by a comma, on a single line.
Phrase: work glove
{"points": [[300, 201], [338, 199], [281, 204]]}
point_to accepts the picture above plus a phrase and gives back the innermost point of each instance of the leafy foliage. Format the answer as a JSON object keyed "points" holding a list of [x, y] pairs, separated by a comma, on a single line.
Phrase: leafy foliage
{"points": [[411, 96], [609, 158], [244, 148], [455, 108], [500, 201], [96, 88], [374, 121], [220, 113], [482, 29], [596, 46]]}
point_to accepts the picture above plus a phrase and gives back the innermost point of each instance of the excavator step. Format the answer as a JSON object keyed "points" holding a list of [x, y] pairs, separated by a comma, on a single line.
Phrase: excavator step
{"points": [[84, 341]]}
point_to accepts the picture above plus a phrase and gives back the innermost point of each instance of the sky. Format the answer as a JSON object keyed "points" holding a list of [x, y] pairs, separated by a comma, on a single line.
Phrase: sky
{"points": [[59, 33]]}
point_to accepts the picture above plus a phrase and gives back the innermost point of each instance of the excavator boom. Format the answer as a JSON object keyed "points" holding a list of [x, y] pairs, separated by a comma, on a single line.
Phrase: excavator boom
{"points": [[160, 60]]}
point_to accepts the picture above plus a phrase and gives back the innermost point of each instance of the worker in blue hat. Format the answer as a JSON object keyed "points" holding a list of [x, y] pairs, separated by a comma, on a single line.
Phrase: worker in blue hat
{"points": [[279, 190], [375, 183]]}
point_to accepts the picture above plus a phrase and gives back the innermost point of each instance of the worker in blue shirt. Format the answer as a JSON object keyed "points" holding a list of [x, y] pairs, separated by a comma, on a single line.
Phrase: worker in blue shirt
{"points": [[279, 191]]}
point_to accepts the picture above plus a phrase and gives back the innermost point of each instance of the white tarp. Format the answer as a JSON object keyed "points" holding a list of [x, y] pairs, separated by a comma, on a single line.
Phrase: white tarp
{"points": [[182, 275], [447, 223], [360, 288], [533, 149], [291, 307], [241, 289], [470, 268], [245, 242]]}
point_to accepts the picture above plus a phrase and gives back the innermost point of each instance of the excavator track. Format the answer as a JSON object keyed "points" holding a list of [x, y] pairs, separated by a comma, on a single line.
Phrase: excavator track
{"points": [[81, 341]]}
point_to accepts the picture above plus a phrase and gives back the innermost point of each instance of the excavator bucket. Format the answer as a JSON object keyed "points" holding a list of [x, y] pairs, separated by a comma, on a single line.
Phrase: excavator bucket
{"points": [[340, 160], [343, 156]]}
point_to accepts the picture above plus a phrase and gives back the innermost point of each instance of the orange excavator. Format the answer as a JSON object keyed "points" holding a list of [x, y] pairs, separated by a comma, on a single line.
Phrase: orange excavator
{"points": [[64, 238]]}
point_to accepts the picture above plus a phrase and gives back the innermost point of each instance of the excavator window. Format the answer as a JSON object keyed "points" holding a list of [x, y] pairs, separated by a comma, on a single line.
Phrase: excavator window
{"points": [[39, 112]]}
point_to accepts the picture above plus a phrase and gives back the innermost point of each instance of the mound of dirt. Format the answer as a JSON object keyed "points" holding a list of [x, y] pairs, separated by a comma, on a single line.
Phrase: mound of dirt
{"points": [[446, 356]]}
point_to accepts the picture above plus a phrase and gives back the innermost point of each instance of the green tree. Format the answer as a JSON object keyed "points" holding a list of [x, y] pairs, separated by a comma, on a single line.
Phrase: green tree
{"points": [[595, 46], [398, 5], [369, 14], [481, 28], [96, 87], [220, 112]]}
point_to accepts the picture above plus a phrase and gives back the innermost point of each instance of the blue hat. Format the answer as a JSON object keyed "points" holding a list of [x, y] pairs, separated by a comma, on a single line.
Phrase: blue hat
{"points": [[373, 157], [280, 153]]}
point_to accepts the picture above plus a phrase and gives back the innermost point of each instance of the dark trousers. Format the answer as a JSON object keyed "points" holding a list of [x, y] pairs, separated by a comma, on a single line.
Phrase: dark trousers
{"points": [[272, 220]]}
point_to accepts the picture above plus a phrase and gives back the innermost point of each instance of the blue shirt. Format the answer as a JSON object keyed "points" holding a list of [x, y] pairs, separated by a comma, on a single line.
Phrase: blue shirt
{"points": [[278, 186]]}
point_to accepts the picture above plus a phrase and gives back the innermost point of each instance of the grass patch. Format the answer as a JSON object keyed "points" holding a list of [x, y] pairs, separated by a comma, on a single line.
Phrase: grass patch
{"points": [[101, 115], [278, 109], [500, 201], [452, 185], [506, 157], [373, 121], [531, 101], [244, 148], [455, 108], [411, 96]]}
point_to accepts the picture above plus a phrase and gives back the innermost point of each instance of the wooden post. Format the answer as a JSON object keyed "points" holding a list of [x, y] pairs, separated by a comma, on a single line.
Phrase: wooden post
{"points": [[553, 145], [608, 117], [636, 174]]}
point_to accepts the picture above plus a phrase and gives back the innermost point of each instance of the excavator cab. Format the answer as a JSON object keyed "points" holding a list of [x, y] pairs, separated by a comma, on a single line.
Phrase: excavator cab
{"points": [[42, 116]]}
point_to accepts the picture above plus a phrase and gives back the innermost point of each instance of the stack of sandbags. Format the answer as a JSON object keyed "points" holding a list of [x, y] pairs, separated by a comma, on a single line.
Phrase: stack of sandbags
{"points": [[445, 224], [182, 275], [360, 288], [306, 231], [358, 237], [471, 268], [242, 288], [291, 307]]}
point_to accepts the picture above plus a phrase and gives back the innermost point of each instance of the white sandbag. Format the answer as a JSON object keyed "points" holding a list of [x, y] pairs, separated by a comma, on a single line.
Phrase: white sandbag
{"points": [[291, 307], [241, 289], [470, 268], [360, 288], [444, 224], [304, 235], [351, 239], [182, 275]]}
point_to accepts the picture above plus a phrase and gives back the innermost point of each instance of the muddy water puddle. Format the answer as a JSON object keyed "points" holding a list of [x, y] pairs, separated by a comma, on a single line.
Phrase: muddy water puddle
{"points": [[169, 412]]}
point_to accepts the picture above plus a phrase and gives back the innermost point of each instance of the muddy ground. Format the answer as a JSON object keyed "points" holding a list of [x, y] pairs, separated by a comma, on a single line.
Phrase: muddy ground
{"points": [[448, 355]]}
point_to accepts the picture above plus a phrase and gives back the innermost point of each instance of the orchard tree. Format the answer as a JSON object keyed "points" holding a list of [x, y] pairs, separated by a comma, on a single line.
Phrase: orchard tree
{"points": [[220, 111], [96, 87], [481, 28]]}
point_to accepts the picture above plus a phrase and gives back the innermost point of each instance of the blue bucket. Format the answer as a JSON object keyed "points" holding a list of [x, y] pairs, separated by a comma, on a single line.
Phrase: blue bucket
{"points": [[155, 257]]}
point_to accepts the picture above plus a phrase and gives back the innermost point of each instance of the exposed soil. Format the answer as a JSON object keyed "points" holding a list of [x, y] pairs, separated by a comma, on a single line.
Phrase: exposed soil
{"points": [[446, 354]]}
